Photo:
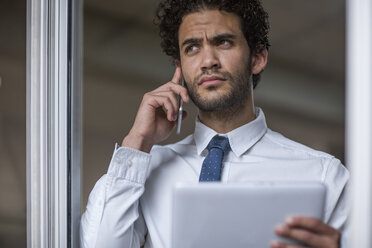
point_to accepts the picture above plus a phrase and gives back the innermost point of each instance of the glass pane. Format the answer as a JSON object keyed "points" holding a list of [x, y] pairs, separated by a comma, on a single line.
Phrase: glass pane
{"points": [[301, 90], [12, 124]]}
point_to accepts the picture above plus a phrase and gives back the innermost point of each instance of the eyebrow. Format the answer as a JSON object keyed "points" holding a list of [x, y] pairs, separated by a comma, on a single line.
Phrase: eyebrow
{"points": [[214, 38], [191, 41]]}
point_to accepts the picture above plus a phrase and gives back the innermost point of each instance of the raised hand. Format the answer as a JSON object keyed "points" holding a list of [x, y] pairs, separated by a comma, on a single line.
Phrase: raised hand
{"points": [[157, 115]]}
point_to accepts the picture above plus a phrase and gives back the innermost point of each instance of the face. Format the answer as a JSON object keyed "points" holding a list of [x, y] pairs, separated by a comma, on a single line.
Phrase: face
{"points": [[215, 58]]}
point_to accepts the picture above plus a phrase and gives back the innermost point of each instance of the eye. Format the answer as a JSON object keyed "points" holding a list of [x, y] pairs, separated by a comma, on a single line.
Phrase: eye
{"points": [[225, 43], [191, 49]]}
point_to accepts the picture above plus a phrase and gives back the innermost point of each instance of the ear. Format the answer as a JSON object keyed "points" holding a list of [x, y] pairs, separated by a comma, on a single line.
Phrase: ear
{"points": [[259, 61]]}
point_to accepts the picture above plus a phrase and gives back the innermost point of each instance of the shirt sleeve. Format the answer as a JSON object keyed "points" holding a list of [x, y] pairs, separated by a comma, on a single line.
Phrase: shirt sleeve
{"points": [[336, 213], [113, 217]]}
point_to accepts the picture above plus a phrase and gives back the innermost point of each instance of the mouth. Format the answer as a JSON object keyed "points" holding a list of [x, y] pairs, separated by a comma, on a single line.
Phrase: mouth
{"points": [[210, 80]]}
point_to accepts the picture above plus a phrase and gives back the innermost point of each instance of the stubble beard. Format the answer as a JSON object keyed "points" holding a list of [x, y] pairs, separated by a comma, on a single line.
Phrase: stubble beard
{"points": [[229, 102]]}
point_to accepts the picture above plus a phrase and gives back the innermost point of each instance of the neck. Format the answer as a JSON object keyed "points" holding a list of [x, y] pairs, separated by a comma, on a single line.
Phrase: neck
{"points": [[224, 121]]}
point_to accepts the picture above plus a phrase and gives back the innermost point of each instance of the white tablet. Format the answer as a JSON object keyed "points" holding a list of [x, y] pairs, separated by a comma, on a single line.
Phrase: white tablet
{"points": [[219, 215]]}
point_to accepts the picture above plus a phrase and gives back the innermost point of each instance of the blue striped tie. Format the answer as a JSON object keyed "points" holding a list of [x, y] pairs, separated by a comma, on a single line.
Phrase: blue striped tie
{"points": [[211, 169]]}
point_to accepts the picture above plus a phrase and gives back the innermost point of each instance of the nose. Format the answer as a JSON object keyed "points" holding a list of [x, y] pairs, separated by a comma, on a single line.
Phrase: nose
{"points": [[210, 59]]}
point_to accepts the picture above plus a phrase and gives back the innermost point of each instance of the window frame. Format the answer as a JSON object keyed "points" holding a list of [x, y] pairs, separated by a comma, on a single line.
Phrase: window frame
{"points": [[54, 122], [359, 119]]}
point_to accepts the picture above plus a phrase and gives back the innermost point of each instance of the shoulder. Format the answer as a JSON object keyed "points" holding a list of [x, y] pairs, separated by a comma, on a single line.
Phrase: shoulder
{"points": [[283, 144], [284, 150]]}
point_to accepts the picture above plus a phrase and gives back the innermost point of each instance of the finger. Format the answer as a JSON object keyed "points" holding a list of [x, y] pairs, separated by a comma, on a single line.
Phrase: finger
{"points": [[170, 109], [175, 88], [177, 75], [172, 97], [177, 80], [301, 235], [312, 224], [162, 101], [277, 244]]}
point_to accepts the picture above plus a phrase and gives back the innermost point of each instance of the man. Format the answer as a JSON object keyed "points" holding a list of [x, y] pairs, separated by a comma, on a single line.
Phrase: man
{"points": [[220, 48]]}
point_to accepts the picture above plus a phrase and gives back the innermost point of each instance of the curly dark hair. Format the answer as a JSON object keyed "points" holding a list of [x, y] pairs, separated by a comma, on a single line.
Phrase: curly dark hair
{"points": [[254, 22]]}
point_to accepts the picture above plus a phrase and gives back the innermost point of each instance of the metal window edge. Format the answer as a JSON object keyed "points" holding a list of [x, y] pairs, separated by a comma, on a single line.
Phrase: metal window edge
{"points": [[54, 47]]}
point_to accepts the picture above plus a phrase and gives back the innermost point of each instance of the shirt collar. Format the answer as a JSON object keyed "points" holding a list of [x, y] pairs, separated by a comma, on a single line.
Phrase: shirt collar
{"points": [[241, 138]]}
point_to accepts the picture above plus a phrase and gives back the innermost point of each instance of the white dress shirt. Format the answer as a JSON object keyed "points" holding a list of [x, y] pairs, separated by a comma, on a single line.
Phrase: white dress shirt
{"points": [[130, 206]]}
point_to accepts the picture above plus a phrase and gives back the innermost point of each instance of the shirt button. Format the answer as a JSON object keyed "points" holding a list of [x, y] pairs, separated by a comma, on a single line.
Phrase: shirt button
{"points": [[129, 163], [118, 160]]}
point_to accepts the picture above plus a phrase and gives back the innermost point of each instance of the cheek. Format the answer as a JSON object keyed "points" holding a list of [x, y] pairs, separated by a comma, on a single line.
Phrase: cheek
{"points": [[233, 59], [238, 59]]}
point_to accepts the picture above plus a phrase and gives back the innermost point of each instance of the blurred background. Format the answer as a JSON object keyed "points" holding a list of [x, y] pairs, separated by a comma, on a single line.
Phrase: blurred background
{"points": [[301, 91]]}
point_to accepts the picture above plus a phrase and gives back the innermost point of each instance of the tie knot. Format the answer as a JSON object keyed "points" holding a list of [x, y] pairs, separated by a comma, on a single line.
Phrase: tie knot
{"points": [[219, 142]]}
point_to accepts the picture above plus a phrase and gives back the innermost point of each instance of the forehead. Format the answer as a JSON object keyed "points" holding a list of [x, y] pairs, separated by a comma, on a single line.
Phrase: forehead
{"points": [[209, 23]]}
